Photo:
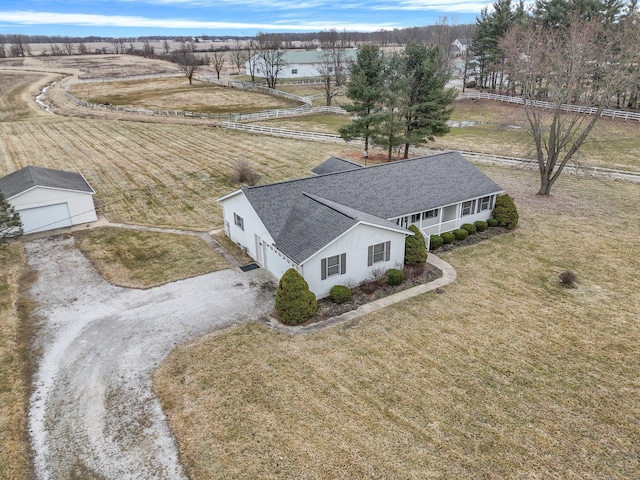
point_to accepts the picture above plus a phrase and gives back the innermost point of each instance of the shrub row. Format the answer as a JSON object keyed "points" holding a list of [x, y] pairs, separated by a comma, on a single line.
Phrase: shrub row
{"points": [[436, 241], [341, 293]]}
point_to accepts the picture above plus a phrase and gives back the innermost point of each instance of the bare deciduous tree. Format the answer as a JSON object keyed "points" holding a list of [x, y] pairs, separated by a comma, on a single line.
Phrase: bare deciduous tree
{"points": [[68, 46], [270, 58], [20, 46], [118, 45], [332, 69], [585, 64], [239, 57], [217, 60]]}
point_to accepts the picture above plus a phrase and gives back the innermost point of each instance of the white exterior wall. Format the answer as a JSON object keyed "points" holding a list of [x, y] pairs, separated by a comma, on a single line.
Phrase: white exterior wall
{"points": [[304, 70], [80, 204], [355, 244], [252, 225]]}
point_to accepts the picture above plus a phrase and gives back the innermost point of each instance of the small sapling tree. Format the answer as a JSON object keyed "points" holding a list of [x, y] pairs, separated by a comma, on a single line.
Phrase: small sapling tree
{"points": [[10, 222]]}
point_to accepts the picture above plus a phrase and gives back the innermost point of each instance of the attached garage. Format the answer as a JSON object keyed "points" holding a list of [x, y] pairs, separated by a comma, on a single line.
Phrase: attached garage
{"points": [[48, 199]]}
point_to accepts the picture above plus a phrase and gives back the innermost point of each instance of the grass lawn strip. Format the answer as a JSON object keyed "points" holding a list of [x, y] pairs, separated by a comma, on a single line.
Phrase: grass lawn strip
{"points": [[506, 375], [14, 382], [137, 259]]}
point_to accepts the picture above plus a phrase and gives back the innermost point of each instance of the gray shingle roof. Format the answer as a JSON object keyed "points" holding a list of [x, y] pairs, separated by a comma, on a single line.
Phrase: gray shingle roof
{"points": [[29, 177], [334, 165], [315, 56], [304, 215]]}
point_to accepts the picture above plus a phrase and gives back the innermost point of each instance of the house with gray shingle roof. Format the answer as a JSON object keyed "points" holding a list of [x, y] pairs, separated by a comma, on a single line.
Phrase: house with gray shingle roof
{"points": [[297, 63], [47, 199], [336, 227]]}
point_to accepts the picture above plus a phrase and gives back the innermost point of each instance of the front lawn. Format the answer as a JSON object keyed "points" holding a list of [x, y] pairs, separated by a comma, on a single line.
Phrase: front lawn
{"points": [[507, 374]]}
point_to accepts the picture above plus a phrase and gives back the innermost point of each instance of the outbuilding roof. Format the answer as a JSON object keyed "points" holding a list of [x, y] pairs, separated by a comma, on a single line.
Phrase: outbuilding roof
{"points": [[315, 56], [304, 215], [28, 177]]}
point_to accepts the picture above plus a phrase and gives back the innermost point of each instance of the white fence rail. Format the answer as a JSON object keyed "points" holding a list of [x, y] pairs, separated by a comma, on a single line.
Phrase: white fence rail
{"points": [[627, 175], [283, 132], [251, 87], [84, 79], [289, 112], [620, 114]]}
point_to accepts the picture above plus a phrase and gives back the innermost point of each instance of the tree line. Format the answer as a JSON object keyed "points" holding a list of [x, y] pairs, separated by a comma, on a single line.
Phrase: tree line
{"points": [[577, 52]]}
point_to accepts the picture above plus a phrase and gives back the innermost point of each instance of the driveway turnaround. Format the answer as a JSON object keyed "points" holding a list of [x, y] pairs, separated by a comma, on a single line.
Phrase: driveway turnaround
{"points": [[93, 413]]}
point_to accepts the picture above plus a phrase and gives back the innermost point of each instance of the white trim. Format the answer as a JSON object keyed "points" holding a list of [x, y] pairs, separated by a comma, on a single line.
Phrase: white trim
{"points": [[229, 195], [92, 192]]}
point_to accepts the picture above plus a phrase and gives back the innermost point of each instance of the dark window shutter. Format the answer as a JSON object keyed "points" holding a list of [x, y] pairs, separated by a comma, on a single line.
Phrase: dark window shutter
{"points": [[370, 257], [343, 263], [323, 266], [387, 251]]}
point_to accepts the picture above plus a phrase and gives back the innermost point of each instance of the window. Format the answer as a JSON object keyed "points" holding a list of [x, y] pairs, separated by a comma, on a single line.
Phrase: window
{"points": [[294, 71], [430, 214], [335, 265], [467, 207], [380, 252], [237, 219], [415, 218], [485, 203]]}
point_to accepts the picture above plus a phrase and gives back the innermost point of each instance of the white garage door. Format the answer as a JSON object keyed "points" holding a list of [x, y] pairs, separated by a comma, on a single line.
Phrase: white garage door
{"points": [[44, 218]]}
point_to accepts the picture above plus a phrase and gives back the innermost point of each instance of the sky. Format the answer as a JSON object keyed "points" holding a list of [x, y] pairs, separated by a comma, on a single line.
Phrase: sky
{"points": [[135, 18]]}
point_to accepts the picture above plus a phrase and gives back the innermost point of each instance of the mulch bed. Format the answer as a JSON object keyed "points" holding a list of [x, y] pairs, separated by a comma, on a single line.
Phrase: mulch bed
{"points": [[371, 291], [473, 239]]}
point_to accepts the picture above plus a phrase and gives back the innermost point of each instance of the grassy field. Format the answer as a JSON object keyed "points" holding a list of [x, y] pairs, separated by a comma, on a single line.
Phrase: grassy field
{"points": [[154, 174], [14, 380], [322, 123], [507, 374], [177, 94], [138, 259]]}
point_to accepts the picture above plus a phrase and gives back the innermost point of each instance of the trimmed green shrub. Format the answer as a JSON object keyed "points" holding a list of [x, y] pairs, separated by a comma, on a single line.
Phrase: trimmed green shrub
{"points": [[469, 227], [435, 241], [480, 225], [339, 293], [492, 222], [295, 303], [395, 276], [460, 234], [505, 212], [447, 237], [415, 248]]}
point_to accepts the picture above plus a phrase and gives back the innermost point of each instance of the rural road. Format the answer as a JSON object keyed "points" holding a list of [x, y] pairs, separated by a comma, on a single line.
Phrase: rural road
{"points": [[93, 413]]}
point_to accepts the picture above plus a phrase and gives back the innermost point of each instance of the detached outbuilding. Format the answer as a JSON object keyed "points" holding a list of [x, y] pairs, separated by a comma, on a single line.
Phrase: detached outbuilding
{"points": [[48, 199]]}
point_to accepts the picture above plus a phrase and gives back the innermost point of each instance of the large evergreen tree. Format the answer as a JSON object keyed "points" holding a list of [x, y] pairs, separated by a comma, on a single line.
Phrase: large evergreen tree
{"points": [[364, 90], [10, 223], [428, 102]]}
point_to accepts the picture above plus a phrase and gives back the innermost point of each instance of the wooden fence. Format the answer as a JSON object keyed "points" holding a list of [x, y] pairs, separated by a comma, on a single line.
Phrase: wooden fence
{"points": [[620, 114], [283, 132]]}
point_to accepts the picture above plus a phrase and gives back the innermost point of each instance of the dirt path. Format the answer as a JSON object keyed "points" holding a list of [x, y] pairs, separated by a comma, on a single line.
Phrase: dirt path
{"points": [[93, 413]]}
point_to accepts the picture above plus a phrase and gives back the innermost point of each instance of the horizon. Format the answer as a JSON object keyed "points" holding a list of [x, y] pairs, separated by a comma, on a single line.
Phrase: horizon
{"points": [[196, 18]]}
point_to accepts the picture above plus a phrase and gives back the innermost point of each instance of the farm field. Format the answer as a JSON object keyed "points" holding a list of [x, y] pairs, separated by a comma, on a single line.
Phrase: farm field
{"points": [[506, 374], [154, 174], [177, 94], [321, 123]]}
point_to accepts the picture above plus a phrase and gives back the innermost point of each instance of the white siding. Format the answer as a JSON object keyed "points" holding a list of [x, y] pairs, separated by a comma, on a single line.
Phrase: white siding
{"points": [[276, 262], [80, 204], [253, 226], [355, 244]]}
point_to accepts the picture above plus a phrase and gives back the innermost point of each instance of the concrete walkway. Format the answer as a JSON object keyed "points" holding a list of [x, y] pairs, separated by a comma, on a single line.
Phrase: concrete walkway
{"points": [[449, 275]]}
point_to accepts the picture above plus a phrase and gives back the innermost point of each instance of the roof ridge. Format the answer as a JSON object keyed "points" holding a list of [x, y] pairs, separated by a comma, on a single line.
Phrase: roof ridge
{"points": [[363, 168], [323, 201]]}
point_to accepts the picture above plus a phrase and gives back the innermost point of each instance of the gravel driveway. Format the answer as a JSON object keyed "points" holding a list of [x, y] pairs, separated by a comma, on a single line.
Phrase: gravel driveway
{"points": [[93, 413]]}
